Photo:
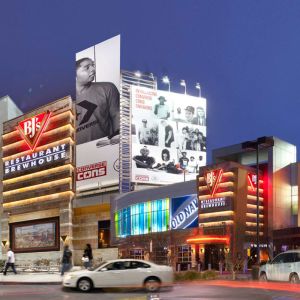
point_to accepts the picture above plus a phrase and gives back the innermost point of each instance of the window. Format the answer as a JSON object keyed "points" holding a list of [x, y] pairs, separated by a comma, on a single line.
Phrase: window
{"points": [[278, 259], [297, 256], [143, 218], [103, 234], [184, 253], [118, 265], [137, 253], [289, 257], [138, 264]]}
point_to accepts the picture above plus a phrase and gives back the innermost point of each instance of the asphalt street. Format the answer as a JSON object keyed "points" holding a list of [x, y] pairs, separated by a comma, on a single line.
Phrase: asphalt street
{"points": [[189, 291]]}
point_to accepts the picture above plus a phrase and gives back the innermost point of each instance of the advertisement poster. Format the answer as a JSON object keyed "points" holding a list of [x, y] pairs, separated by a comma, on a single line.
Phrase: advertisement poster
{"points": [[98, 115], [184, 212], [168, 136]]}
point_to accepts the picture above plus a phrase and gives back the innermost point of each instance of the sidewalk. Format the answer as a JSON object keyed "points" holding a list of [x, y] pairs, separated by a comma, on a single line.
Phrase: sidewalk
{"points": [[31, 278], [236, 276]]}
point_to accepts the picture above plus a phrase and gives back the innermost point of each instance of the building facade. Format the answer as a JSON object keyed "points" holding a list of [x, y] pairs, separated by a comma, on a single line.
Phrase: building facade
{"points": [[38, 181], [8, 110], [279, 167]]}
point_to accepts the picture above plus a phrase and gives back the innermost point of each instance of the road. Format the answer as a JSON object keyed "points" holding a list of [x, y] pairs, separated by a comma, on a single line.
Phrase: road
{"points": [[189, 291]]}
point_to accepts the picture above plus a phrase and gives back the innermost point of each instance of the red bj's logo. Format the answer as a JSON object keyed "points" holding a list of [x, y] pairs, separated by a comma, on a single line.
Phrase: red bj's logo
{"points": [[31, 129], [252, 178], [213, 178]]}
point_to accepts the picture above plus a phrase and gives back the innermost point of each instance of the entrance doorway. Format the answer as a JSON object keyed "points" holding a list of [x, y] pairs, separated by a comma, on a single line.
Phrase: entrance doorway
{"points": [[214, 254]]}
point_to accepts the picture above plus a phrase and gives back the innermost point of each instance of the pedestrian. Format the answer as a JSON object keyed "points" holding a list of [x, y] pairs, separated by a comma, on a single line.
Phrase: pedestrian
{"points": [[10, 261], [88, 254], [86, 261], [66, 260]]}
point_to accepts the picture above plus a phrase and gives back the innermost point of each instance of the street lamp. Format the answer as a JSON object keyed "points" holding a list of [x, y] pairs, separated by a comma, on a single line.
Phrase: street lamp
{"points": [[198, 87], [166, 80], [182, 83], [262, 142], [138, 74]]}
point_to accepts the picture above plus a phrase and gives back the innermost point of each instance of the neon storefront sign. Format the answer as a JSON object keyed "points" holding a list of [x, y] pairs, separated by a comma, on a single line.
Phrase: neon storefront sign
{"points": [[31, 129], [36, 159], [212, 179]]}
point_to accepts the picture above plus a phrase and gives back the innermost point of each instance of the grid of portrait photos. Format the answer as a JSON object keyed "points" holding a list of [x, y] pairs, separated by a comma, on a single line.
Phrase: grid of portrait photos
{"points": [[168, 135]]}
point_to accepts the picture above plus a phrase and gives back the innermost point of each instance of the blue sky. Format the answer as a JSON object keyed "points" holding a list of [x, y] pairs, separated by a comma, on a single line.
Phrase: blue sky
{"points": [[245, 54]]}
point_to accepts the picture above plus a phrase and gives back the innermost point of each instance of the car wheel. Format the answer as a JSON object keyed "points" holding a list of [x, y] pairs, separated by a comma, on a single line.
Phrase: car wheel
{"points": [[84, 284], [152, 285], [294, 278], [263, 277]]}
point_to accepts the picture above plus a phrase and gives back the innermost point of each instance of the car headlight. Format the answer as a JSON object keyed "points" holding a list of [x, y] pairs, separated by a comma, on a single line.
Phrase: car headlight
{"points": [[70, 276]]}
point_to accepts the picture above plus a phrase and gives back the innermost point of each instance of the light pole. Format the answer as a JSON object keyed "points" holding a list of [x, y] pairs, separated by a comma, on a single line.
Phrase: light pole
{"points": [[166, 80], [198, 87], [182, 83], [262, 142]]}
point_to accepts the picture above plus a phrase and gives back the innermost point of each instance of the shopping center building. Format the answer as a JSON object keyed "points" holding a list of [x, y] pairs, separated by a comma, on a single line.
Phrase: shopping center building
{"points": [[151, 224], [210, 219]]}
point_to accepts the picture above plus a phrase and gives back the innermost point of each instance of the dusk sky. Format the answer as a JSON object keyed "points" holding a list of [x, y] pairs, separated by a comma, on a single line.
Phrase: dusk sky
{"points": [[245, 54]]}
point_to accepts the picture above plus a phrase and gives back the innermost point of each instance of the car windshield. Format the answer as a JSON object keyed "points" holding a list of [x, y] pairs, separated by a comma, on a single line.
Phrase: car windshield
{"points": [[97, 266]]}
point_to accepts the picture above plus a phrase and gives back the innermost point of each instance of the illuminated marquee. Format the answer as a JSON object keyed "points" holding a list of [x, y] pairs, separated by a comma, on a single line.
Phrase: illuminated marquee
{"points": [[213, 178], [32, 128], [36, 159]]}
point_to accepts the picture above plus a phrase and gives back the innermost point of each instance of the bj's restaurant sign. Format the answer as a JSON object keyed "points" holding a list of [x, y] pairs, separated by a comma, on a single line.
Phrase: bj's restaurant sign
{"points": [[36, 159], [215, 204], [32, 129]]}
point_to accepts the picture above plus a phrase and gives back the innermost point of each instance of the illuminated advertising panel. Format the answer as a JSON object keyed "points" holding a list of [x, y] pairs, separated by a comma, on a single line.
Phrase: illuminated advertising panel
{"points": [[184, 212], [168, 136], [98, 114]]}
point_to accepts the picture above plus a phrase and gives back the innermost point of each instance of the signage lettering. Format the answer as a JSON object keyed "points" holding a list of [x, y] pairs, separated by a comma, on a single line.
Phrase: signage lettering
{"points": [[142, 177], [215, 202], [91, 171], [188, 211], [36, 159]]}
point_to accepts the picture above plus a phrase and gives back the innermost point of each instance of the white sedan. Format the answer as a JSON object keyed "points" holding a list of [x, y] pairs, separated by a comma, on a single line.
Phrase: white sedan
{"points": [[121, 273]]}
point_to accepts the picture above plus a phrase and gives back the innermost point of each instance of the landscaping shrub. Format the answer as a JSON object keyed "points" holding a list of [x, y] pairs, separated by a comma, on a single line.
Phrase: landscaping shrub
{"points": [[209, 274], [193, 275]]}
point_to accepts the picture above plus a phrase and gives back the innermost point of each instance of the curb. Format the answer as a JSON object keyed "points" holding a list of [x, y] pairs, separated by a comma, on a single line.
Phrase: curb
{"points": [[29, 283]]}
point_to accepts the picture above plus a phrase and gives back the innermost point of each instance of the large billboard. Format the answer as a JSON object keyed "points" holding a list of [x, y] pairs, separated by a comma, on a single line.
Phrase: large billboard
{"points": [[184, 212], [98, 115], [168, 136]]}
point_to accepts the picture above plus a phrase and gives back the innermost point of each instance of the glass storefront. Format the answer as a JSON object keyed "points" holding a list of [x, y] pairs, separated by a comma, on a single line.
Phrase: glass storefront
{"points": [[143, 218]]}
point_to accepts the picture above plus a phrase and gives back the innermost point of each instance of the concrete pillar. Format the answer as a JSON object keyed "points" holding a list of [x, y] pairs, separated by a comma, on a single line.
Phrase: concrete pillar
{"points": [[66, 224]]}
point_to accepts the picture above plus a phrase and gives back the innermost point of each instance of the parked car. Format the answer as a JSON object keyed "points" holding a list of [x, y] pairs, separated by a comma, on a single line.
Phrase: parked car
{"points": [[121, 273], [284, 267]]}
